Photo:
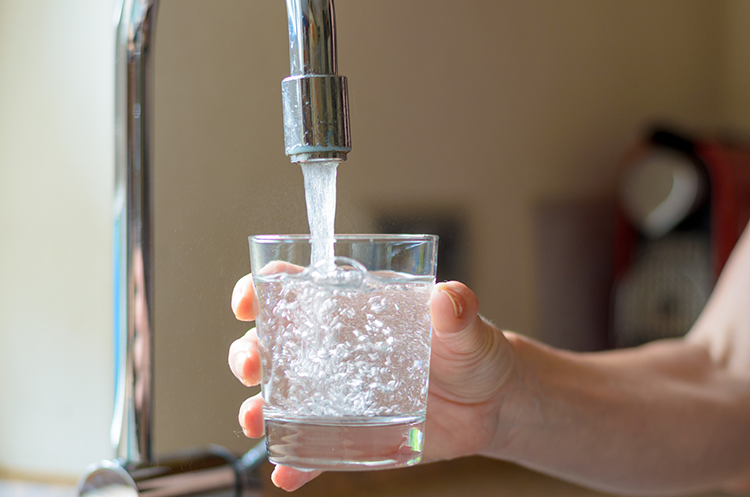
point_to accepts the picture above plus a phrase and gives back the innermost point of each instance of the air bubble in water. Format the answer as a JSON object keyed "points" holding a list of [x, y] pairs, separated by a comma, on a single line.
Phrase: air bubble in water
{"points": [[332, 360]]}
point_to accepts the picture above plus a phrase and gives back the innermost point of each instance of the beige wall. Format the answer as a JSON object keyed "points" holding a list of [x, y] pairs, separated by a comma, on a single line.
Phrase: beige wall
{"points": [[735, 70], [483, 107]]}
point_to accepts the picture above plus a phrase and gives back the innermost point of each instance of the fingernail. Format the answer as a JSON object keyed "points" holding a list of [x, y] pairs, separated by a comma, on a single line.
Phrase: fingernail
{"points": [[237, 295], [238, 366], [246, 433], [273, 480], [245, 430], [458, 309]]}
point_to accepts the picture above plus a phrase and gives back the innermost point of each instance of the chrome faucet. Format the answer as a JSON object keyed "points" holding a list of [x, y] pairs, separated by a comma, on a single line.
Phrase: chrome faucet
{"points": [[316, 104], [316, 123]]}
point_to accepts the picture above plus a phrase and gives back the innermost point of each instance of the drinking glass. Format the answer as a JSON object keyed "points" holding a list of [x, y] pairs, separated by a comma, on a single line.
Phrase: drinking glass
{"points": [[344, 343]]}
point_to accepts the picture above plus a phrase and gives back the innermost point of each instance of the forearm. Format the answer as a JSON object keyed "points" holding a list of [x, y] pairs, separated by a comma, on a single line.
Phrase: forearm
{"points": [[660, 418]]}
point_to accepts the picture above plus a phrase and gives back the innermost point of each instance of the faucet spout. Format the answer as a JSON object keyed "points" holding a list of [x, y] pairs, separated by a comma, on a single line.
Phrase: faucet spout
{"points": [[316, 106]]}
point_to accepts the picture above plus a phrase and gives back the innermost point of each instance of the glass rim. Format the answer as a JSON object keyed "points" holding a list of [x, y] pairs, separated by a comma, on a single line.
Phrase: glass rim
{"points": [[371, 237]]}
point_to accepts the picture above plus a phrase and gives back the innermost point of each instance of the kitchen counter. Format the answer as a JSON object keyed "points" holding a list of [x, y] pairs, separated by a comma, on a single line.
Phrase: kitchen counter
{"points": [[473, 476]]}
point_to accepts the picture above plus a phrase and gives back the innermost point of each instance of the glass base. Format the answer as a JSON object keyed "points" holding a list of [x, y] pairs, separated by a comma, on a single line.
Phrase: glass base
{"points": [[345, 444]]}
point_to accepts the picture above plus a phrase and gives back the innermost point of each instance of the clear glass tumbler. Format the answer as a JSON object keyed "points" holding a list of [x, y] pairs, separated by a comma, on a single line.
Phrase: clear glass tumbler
{"points": [[345, 347]]}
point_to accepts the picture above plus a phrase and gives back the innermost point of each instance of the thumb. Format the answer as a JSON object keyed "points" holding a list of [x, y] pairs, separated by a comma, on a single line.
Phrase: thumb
{"points": [[470, 357], [455, 318]]}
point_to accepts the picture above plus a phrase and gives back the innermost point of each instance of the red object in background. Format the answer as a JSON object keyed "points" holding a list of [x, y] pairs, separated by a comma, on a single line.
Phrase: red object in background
{"points": [[729, 175], [728, 168], [666, 267]]}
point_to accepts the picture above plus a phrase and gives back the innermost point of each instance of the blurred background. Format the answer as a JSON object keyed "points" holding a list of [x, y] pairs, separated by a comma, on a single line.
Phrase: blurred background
{"points": [[500, 124]]}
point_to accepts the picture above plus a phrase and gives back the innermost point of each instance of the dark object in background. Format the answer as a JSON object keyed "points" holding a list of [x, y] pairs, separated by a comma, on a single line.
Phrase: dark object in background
{"points": [[683, 203], [452, 233], [573, 242]]}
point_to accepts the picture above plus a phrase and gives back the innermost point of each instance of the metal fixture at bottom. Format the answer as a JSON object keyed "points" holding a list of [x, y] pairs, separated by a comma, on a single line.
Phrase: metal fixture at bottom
{"points": [[209, 472]]}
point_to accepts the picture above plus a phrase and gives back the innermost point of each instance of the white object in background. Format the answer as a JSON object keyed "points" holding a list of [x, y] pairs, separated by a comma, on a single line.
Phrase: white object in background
{"points": [[56, 176], [661, 190]]}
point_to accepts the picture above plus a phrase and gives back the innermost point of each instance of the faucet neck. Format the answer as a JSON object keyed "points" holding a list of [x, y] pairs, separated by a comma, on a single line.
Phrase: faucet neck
{"points": [[312, 37], [133, 281]]}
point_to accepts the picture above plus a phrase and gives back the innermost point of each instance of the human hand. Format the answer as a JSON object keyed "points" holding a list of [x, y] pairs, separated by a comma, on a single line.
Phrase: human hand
{"points": [[472, 366]]}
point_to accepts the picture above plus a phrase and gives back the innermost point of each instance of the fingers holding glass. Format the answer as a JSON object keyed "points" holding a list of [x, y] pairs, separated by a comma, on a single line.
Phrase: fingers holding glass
{"points": [[251, 417], [243, 297], [291, 479], [244, 359]]}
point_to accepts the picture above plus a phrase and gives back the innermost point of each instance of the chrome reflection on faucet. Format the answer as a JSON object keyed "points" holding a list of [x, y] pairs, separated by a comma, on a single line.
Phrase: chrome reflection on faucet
{"points": [[133, 278], [316, 129]]}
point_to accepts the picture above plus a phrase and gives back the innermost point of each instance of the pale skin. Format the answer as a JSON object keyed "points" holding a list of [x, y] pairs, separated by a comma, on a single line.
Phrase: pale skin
{"points": [[670, 417]]}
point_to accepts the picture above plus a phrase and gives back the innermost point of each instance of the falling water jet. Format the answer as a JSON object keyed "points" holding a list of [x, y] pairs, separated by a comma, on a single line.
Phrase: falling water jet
{"points": [[316, 115], [320, 195]]}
